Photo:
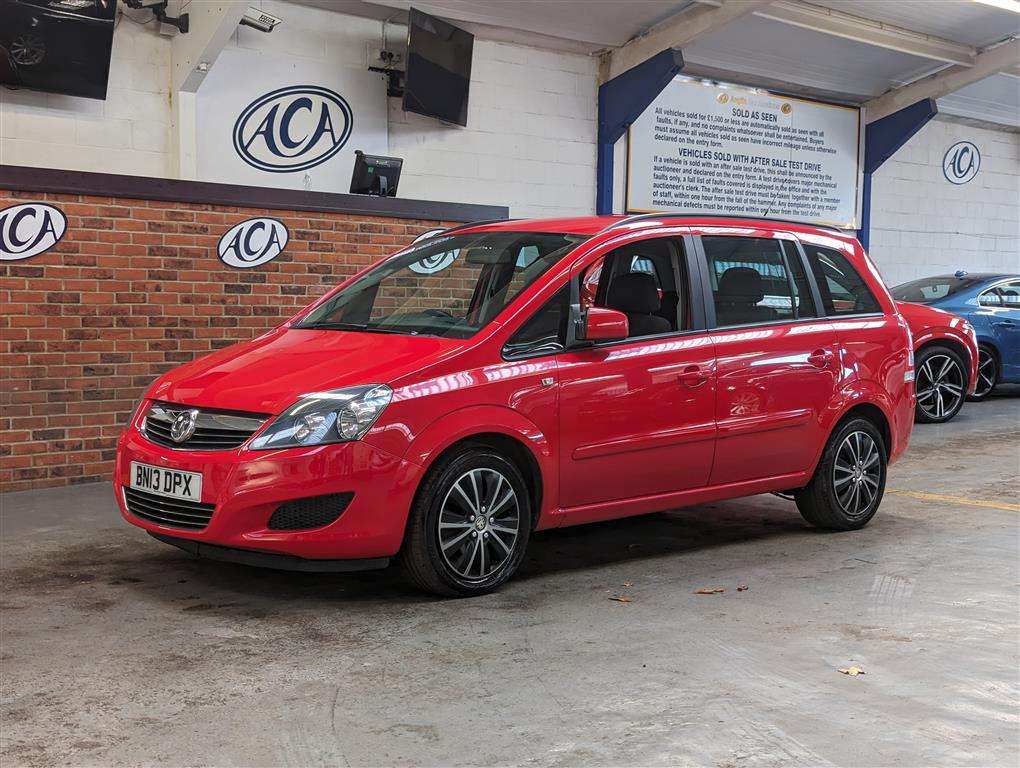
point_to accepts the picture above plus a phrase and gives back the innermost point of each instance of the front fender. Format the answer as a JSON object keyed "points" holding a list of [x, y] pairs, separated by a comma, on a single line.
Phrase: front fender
{"points": [[482, 419], [946, 333]]}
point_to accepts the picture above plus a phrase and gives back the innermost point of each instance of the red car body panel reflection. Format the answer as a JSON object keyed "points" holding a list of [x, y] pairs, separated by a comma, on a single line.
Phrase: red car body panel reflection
{"points": [[616, 429]]}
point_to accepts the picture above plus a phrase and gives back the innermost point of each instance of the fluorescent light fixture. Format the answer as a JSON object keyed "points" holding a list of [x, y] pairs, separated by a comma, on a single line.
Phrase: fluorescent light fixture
{"points": [[1006, 5]]}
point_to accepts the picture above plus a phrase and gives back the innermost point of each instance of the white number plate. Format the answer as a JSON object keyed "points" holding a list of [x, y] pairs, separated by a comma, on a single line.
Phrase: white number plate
{"points": [[166, 482]]}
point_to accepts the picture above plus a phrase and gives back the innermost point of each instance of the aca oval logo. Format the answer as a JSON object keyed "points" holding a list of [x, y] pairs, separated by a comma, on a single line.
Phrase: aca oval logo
{"points": [[29, 229], [961, 162], [437, 262], [293, 128], [252, 243]]}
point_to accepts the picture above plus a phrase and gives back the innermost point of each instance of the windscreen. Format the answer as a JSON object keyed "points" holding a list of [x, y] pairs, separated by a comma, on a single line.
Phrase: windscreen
{"points": [[446, 286], [929, 289]]}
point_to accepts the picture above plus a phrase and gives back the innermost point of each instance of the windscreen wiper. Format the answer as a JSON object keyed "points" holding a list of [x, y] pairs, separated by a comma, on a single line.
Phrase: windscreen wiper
{"points": [[328, 326]]}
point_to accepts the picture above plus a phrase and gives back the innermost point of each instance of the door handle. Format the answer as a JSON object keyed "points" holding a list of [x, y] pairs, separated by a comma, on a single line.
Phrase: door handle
{"points": [[820, 358], [1004, 323], [693, 376]]}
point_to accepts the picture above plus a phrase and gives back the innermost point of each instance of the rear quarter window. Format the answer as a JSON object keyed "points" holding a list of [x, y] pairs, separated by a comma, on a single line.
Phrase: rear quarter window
{"points": [[843, 290]]}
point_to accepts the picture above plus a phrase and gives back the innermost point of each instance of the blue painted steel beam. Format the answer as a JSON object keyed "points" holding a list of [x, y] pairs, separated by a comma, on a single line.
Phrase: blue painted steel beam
{"points": [[882, 139], [621, 101]]}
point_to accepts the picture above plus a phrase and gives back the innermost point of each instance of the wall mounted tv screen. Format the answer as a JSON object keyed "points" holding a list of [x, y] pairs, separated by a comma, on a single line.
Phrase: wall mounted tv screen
{"points": [[59, 46], [438, 68]]}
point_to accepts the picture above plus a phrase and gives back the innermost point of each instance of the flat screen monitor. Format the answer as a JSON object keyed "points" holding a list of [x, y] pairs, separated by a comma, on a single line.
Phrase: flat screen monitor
{"points": [[375, 174], [438, 68], [57, 46]]}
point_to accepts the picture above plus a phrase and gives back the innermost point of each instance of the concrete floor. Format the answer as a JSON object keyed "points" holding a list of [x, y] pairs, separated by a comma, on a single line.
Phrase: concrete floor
{"points": [[118, 650]]}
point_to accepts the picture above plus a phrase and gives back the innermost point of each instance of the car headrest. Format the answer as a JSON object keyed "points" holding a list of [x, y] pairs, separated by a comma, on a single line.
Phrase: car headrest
{"points": [[634, 292], [741, 285]]}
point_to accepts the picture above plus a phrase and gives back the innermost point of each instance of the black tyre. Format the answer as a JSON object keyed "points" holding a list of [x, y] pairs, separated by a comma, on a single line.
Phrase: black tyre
{"points": [[469, 525], [848, 484], [941, 380], [987, 374]]}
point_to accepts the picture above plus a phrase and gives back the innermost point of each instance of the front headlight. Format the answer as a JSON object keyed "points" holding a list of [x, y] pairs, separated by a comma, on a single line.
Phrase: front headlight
{"points": [[137, 410], [337, 416]]}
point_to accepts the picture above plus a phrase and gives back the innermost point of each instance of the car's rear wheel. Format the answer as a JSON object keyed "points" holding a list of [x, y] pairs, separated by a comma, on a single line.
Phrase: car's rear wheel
{"points": [[469, 525], [941, 384], [987, 374], [849, 482]]}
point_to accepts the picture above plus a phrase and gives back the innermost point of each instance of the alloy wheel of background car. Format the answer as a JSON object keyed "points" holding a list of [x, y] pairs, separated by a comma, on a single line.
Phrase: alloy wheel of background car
{"points": [[478, 523], [987, 374], [28, 50], [941, 385], [849, 482]]}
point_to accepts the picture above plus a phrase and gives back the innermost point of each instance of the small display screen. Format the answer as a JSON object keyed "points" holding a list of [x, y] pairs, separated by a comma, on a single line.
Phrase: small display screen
{"points": [[438, 68]]}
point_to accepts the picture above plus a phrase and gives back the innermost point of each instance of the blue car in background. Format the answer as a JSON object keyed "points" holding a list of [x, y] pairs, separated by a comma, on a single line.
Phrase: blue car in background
{"points": [[991, 303]]}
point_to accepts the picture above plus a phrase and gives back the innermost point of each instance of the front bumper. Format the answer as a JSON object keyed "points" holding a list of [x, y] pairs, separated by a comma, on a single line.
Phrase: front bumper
{"points": [[246, 487], [205, 551]]}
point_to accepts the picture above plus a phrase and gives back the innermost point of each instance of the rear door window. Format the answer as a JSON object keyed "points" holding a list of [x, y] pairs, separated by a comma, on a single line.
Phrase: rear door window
{"points": [[756, 280], [843, 290]]}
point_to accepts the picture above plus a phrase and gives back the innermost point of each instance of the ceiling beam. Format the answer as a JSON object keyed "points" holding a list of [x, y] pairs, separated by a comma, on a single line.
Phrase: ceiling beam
{"points": [[191, 55], [678, 31], [1013, 71], [1002, 58], [868, 31]]}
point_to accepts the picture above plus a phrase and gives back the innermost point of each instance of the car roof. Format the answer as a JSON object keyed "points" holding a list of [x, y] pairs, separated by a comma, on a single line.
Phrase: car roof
{"points": [[591, 225], [973, 276]]}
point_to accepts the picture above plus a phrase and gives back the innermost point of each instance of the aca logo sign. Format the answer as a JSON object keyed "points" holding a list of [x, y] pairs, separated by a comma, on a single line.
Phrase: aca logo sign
{"points": [[437, 262], [961, 162], [252, 243], [293, 128], [29, 229]]}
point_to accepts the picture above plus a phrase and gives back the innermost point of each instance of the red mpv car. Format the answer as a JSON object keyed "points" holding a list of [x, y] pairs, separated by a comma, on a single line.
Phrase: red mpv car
{"points": [[505, 377]]}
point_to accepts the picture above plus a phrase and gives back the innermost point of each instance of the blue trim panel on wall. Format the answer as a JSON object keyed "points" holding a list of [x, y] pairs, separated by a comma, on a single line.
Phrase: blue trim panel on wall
{"points": [[882, 139], [621, 101]]}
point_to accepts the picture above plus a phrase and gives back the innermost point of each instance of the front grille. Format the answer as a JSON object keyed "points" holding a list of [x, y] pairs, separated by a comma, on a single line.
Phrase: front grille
{"points": [[176, 513], [214, 430], [313, 512]]}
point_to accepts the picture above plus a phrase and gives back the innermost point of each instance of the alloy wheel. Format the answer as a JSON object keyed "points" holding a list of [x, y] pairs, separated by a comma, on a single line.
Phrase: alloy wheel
{"points": [[28, 50], [985, 373], [479, 523], [857, 473], [940, 386]]}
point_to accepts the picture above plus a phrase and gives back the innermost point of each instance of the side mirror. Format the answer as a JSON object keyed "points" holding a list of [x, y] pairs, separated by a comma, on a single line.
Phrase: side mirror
{"points": [[601, 324]]}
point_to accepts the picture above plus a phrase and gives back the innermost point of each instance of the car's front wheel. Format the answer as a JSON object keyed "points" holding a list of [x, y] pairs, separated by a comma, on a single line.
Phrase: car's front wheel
{"points": [[941, 384], [469, 525], [987, 374], [848, 483]]}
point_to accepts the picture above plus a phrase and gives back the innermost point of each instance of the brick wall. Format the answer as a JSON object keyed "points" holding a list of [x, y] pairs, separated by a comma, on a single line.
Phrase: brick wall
{"points": [[133, 289]]}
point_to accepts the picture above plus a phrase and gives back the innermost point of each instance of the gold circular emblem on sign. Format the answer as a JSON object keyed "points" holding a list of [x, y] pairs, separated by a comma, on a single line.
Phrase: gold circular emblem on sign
{"points": [[786, 108], [722, 98]]}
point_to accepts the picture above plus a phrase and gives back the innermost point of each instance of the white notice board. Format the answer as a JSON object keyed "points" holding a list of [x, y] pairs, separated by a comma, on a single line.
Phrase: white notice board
{"points": [[711, 148]]}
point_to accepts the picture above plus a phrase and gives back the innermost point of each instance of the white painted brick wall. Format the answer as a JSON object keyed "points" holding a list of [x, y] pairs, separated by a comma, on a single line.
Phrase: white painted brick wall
{"points": [[923, 225], [529, 142], [53, 131]]}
